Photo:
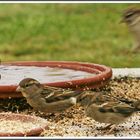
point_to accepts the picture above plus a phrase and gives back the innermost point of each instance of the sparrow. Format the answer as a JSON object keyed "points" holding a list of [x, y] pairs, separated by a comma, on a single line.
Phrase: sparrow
{"points": [[131, 17], [105, 109], [46, 98]]}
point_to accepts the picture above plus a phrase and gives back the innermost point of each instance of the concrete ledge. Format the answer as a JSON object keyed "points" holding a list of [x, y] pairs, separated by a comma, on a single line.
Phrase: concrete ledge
{"points": [[121, 72]]}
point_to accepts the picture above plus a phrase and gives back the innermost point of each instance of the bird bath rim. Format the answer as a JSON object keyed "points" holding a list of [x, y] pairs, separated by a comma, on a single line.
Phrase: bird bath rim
{"points": [[103, 75]]}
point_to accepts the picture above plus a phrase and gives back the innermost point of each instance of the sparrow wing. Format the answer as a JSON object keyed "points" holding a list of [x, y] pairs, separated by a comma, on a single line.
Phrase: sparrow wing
{"points": [[117, 107], [123, 109], [106, 107], [52, 94]]}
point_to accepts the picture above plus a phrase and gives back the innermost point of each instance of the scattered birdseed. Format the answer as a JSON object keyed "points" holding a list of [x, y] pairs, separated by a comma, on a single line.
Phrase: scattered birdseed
{"points": [[74, 123]]}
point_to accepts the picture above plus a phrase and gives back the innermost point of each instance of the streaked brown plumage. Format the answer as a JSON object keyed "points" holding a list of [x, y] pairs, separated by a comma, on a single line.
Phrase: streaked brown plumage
{"points": [[105, 109], [131, 17], [45, 98]]}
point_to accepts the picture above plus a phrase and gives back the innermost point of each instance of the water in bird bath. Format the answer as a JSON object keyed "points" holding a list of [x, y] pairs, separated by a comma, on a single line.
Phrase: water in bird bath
{"points": [[12, 75]]}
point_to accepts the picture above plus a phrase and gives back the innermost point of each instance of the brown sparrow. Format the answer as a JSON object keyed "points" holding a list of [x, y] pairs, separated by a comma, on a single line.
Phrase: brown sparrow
{"points": [[131, 17], [45, 98], [104, 109]]}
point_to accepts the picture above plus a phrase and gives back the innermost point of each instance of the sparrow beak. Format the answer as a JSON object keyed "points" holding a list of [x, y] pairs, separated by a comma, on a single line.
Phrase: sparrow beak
{"points": [[18, 89]]}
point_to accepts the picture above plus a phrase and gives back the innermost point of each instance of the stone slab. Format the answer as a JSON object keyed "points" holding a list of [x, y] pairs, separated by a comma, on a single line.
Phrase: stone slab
{"points": [[121, 72]]}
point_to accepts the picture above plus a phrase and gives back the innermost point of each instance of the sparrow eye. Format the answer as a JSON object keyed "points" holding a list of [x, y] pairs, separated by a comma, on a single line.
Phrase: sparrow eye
{"points": [[26, 85]]}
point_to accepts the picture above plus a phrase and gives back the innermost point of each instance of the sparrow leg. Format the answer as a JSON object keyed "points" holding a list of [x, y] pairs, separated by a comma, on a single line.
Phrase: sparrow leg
{"points": [[104, 128], [113, 128]]}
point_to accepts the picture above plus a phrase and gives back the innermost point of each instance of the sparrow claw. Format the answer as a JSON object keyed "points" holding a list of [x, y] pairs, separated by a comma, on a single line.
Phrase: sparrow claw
{"points": [[104, 128], [113, 128]]}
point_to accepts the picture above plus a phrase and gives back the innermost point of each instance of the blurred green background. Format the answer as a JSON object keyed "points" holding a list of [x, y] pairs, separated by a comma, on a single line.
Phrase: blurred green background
{"points": [[71, 32]]}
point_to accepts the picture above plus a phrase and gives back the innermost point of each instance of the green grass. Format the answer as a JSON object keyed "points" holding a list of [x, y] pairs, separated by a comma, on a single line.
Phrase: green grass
{"points": [[73, 32]]}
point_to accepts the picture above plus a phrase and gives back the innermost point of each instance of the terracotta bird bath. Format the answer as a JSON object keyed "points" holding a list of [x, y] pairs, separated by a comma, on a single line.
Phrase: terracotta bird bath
{"points": [[15, 124], [92, 75]]}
